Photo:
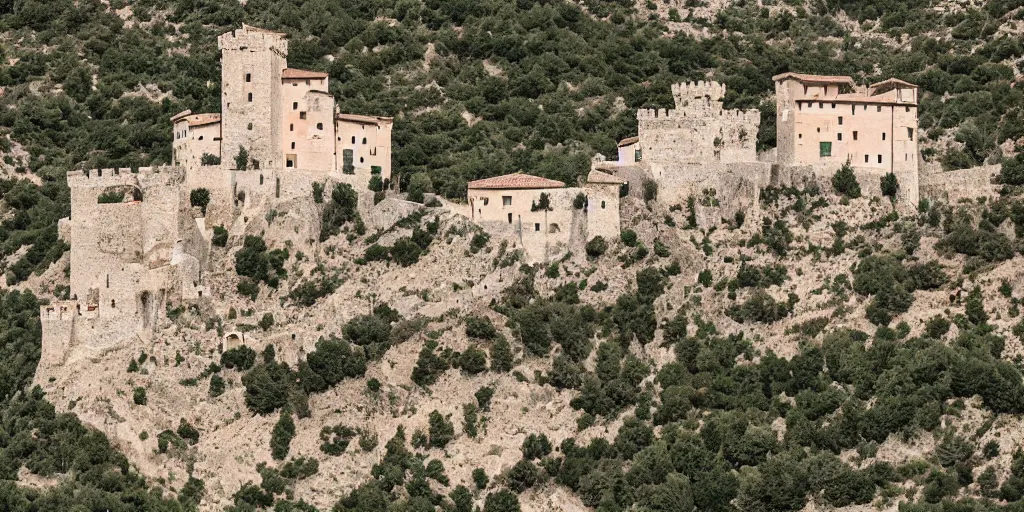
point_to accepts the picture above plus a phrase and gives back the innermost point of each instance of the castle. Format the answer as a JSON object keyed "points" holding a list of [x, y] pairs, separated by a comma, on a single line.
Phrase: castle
{"points": [[703, 151], [137, 240]]}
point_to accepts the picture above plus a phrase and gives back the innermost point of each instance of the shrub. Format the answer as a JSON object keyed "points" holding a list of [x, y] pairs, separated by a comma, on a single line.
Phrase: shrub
{"points": [[536, 447], [187, 432], [469, 419], [473, 360], [704, 278], [480, 327], [429, 365], [377, 252], [241, 357], [318, 192], [267, 321], [502, 501], [650, 190], [340, 210], [650, 284], [419, 184], [761, 307], [332, 361], [483, 397], [844, 182], [501, 356], [216, 385], [267, 387], [441, 430], [479, 241], [242, 159], [208, 159], [220, 236], [282, 435], [522, 476], [199, 197], [334, 440], [629, 238], [480, 479], [596, 247], [580, 201], [890, 185], [405, 252], [139, 396]]}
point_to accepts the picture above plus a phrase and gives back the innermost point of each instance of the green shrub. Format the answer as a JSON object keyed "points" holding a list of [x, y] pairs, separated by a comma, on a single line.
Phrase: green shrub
{"points": [[629, 238], [480, 327], [139, 396], [111, 197], [596, 247], [267, 321], [405, 252], [216, 385], [187, 432], [473, 360], [419, 184], [281, 436], [501, 356], [340, 210], [844, 182], [220, 236], [334, 440], [890, 185], [480, 479], [441, 430], [199, 197], [241, 357]]}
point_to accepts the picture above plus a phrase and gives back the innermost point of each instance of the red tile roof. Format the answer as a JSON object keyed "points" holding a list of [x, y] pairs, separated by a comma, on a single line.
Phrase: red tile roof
{"points": [[516, 180], [596, 176], [356, 118], [301, 73], [203, 119], [814, 79]]}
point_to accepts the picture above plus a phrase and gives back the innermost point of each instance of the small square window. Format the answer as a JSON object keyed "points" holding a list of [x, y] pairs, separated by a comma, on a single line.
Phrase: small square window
{"points": [[865, 159], [879, 158], [302, 115], [536, 226], [319, 126], [878, 108], [839, 136], [506, 200], [883, 135], [910, 133], [833, 105], [840, 120], [293, 145], [291, 127], [295, 105], [248, 77], [854, 135]]}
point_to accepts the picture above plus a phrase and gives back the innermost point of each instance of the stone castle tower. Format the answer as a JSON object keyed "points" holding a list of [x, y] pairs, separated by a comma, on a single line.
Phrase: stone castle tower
{"points": [[698, 130], [252, 60]]}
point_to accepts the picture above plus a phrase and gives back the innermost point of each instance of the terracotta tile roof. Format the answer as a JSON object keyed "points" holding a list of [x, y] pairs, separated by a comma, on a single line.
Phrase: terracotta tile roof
{"points": [[356, 118], [815, 79], [628, 140], [596, 176], [203, 119], [516, 180], [301, 73], [892, 81]]}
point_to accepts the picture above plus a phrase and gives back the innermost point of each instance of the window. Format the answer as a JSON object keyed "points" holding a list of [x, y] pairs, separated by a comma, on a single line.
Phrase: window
{"points": [[289, 163], [373, 151], [799, 106], [510, 218], [376, 169], [295, 105], [506, 200], [821, 104], [536, 226], [319, 126], [261, 179], [638, 155], [833, 105], [839, 136], [248, 77], [840, 120], [865, 159], [353, 139], [293, 145], [200, 137], [602, 205], [302, 115], [486, 201], [307, 82], [250, 126], [883, 135], [878, 108], [291, 127], [879, 158], [360, 159], [799, 135], [250, 97], [825, 148], [855, 135], [819, 130], [910, 134], [364, 140], [853, 110], [908, 109]]}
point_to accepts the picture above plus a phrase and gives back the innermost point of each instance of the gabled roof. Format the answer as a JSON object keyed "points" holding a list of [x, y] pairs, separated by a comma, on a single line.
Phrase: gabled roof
{"points": [[628, 140], [814, 79], [301, 73], [596, 176], [896, 82], [515, 180], [356, 118]]}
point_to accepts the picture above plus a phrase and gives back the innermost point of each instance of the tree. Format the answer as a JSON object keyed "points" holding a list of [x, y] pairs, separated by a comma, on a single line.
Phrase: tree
{"points": [[1011, 171], [282, 435], [419, 185], [220, 236], [199, 197], [216, 385], [139, 396], [242, 159], [596, 247], [844, 182], [975, 307], [405, 252], [208, 159], [502, 501], [441, 430], [501, 356], [480, 327], [341, 209], [473, 360], [890, 185]]}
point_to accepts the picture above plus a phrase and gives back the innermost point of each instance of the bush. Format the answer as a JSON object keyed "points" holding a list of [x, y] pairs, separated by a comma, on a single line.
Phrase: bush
{"points": [[242, 159], [241, 357], [596, 247], [216, 385], [419, 184], [536, 447], [429, 365], [580, 201], [650, 190], [199, 197], [405, 252], [473, 360], [220, 236], [844, 182], [501, 356], [332, 361], [441, 430], [480, 327], [267, 321], [340, 210], [890, 185], [479, 241], [282, 435], [208, 159], [629, 238], [187, 432], [377, 252], [502, 501], [110, 197], [761, 307], [139, 396], [480, 479], [334, 440]]}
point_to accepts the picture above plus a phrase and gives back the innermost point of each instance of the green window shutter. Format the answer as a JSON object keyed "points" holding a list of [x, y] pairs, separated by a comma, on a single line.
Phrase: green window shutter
{"points": [[375, 169], [826, 148]]}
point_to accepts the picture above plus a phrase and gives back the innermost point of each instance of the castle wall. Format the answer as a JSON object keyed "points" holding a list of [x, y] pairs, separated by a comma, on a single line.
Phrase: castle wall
{"points": [[868, 178], [602, 210], [952, 186], [698, 130], [251, 64]]}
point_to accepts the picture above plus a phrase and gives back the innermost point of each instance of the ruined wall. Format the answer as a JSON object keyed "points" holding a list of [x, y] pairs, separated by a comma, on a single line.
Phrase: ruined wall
{"points": [[251, 63], [698, 130], [952, 186], [720, 190]]}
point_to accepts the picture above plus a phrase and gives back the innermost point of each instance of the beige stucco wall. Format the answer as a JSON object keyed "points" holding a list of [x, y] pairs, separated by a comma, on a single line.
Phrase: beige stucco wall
{"points": [[190, 143], [370, 144], [307, 143]]}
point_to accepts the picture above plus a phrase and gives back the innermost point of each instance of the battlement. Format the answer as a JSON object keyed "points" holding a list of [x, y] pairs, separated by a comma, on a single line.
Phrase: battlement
{"points": [[253, 39], [115, 177], [665, 114], [66, 310], [701, 89]]}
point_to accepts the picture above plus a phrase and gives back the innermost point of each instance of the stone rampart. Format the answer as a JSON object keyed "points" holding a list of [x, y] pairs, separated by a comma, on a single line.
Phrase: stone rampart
{"points": [[952, 186]]}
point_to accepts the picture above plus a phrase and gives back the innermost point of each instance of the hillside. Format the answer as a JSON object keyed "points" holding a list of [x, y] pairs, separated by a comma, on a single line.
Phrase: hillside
{"points": [[835, 352]]}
